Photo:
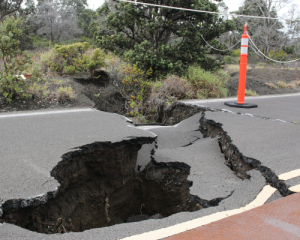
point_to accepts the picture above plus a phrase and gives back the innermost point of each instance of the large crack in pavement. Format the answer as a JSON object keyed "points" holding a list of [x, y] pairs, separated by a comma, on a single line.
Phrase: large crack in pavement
{"points": [[93, 178], [99, 187], [102, 184], [179, 111], [235, 160]]}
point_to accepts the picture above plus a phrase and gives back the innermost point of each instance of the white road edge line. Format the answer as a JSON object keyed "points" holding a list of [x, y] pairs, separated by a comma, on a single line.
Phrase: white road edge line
{"points": [[289, 175], [232, 99], [295, 188], [261, 198], [45, 113]]}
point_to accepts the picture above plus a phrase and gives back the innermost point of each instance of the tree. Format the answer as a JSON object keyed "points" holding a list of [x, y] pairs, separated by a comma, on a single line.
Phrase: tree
{"points": [[267, 33], [8, 7], [27, 12], [293, 29], [85, 19], [168, 40], [79, 5], [57, 21]]}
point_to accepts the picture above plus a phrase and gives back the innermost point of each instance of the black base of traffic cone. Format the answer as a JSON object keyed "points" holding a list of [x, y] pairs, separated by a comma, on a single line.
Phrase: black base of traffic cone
{"points": [[245, 105]]}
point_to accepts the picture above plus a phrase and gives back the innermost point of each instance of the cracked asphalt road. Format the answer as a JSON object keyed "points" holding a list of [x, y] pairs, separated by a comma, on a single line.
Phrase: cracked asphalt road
{"points": [[274, 143], [32, 145], [275, 107]]}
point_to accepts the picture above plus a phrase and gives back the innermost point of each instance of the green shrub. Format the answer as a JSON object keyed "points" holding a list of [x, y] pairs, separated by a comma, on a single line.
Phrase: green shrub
{"points": [[229, 60], [39, 42], [14, 62], [236, 52], [97, 60], [72, 59], [280, 55], [132, 81], [65, 94], [206, 84], [68, 59], [69, 70], [145, 56], [38, 90]]}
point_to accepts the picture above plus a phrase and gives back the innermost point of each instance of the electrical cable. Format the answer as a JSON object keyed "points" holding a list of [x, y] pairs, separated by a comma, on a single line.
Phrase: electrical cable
{"points": [[215, 48], [225, 14], [251, 41], [203, 11], [219, 49]]}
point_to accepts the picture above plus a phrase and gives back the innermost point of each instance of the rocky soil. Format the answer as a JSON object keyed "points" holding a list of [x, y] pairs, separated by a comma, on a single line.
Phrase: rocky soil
{"points": [[260, 80]]}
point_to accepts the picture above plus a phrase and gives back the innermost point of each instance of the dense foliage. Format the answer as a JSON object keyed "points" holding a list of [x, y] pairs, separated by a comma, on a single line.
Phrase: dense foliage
{"points": [[72, 58], [168, 40], [8, 7], [14, 61]]}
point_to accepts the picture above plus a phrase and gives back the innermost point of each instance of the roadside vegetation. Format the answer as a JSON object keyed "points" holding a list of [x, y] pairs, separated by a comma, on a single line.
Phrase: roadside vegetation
{"points": [[152, 65]]}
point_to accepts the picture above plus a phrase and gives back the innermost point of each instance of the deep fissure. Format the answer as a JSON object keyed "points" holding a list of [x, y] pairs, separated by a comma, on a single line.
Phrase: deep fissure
{"points": [[99, 187], [235, 160]]}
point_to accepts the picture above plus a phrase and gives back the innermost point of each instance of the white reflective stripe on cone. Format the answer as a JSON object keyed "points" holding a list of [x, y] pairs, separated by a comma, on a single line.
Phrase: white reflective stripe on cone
{"points": [[245, 41], [244, 50]]}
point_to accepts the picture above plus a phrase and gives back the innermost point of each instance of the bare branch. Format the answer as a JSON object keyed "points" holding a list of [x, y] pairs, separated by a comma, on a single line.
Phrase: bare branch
{"points": [[8, 7]]}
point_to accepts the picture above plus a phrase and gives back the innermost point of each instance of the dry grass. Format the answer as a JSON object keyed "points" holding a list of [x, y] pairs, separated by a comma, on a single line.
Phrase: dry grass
{"points": [[164, 93], [282, 84], [250, 93], [271, 85], [295, 83], [173, 86], [291, 85], [234, 68]]}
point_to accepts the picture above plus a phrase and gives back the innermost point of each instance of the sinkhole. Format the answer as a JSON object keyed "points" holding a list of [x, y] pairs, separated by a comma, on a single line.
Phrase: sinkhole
{"points": [[100, 187]]}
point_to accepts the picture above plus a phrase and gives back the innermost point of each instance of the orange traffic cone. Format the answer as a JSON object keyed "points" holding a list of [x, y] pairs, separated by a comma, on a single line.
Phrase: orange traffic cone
{"points": [[243, 73]]}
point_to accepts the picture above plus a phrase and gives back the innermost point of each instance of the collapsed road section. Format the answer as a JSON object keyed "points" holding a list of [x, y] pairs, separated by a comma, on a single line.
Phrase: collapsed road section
{"points": [[97, 184], [96, 190], [112, 181], [99, 187]]}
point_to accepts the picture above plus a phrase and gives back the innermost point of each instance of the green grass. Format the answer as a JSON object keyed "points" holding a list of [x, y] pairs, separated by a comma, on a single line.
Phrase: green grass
{"points": [[207, 84]]}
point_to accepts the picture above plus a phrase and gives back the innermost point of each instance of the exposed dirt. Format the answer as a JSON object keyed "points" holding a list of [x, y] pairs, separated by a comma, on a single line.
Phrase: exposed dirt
{"points": [[259, 80], [90, 93], [99, 187], [51, 101]]}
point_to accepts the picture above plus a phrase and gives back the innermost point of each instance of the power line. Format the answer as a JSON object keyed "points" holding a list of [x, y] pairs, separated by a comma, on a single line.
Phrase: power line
{"points": [[203, 11], [219, 49], [256, 48], [223, 50], [225, 14]]}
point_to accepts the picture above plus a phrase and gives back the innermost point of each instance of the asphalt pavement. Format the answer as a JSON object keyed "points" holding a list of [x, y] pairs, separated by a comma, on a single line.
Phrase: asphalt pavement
{"points": [[33, 144], [276, 107]]}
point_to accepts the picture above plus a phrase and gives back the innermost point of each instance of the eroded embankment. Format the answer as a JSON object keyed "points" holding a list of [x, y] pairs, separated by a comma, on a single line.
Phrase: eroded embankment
{"points": [[100, 187], [235, 160]]}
